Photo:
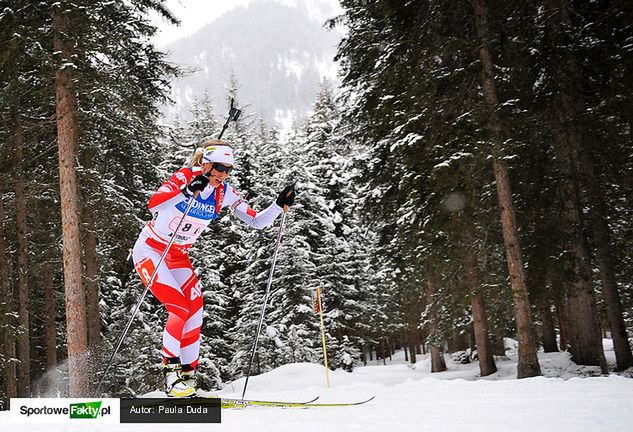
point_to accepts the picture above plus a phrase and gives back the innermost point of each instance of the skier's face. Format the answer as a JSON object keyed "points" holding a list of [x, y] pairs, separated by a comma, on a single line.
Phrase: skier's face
{"points": [[218, 172]]}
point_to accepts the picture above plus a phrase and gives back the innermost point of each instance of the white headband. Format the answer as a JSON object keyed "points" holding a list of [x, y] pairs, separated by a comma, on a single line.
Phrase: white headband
{"points": [[219, 153]]}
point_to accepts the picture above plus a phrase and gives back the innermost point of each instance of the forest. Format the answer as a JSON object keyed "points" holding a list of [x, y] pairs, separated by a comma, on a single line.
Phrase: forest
{"points": [[468, 180]]}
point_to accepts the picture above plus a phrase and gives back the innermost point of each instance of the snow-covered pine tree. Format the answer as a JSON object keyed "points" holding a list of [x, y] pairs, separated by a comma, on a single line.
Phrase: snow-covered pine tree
{"points": [[117, 87], [25, 84], [118, 143], [327, 156], [264, 158], [417, 136], [293, 334]]}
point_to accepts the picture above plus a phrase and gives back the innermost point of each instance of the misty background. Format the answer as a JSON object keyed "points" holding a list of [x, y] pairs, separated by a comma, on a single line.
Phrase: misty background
{"points": [[278, 53]]}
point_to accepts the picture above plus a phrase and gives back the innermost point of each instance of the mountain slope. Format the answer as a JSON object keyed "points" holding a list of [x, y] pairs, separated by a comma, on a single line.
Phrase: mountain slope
{"points": [[278, 54]]}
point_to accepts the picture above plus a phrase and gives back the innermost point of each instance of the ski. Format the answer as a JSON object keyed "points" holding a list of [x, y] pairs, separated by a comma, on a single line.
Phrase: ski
{"points": [[229, 403], [239, 403], [337, 404]]}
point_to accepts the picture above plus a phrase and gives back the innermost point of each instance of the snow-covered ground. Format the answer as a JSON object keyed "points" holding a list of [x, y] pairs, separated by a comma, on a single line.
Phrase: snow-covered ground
{"points": [[567, 398]]}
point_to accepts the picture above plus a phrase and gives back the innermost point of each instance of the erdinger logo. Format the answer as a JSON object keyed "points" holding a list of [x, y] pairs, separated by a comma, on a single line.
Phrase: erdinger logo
{"points": [[201, 210], [208, 208]]}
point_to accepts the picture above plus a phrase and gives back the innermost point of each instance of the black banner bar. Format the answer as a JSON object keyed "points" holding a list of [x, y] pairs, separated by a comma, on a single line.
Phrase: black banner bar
{"points": [[171, 410]]}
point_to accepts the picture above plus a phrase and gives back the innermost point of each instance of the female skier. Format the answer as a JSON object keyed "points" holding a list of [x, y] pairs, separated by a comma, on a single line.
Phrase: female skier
{"points": [[176, 285]]}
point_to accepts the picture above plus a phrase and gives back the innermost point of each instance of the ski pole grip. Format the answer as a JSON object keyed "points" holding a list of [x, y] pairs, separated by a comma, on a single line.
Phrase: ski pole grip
{"points": [[196, 193], [286, 206]]}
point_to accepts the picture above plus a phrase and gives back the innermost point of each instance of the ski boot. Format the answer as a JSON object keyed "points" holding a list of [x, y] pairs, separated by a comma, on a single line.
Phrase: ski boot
{"points": [[175, 384], [188, 375]]}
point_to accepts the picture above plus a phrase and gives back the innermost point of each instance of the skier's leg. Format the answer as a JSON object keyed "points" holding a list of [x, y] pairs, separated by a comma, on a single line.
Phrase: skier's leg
{"points": [[190, 345], [190, 340], [167, 290]]}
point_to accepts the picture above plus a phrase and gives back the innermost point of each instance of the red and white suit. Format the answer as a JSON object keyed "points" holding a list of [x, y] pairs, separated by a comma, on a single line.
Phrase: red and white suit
{"points": [[176, 285]]}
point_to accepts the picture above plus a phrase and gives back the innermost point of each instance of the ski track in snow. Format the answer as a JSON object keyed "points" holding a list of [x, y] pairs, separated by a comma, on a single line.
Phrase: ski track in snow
{"points": [[410, 398]]}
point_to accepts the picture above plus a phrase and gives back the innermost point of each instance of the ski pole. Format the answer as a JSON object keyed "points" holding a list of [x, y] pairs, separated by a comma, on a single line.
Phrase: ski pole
{"points": [[234, 114], [270, 281], [140, 300]]}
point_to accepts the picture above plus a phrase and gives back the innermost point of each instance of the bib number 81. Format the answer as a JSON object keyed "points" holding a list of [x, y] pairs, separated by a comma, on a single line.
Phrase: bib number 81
{"points": [[190, 228]]}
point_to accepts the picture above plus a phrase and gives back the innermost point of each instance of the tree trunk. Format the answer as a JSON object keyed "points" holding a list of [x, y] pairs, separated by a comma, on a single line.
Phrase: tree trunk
{"points": [[381, 347], [497, 339], [484, 349], [24, 345], [561, 313], [471, 340], [50, 327], [549, 333], [91, 277], [66, 114], [582, 314], [528, 365], [412, 353], [601, 236], [452, 343], [405, 345], [365, 353], [437, 356], [92, 285], [457, 342], [480, 321], [438, 364], [6, 312], [416, 341]]}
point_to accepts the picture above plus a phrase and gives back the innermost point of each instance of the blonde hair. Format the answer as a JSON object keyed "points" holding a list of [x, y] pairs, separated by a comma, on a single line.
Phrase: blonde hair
{"points": [[196, 159]]}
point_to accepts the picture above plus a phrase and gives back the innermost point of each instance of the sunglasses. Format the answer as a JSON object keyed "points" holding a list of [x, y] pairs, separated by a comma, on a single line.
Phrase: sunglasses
{"points": [[221, 168]]}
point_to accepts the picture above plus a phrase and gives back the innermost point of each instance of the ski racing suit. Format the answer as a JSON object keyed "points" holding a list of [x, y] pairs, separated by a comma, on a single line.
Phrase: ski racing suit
{"points": [[176, 285]]}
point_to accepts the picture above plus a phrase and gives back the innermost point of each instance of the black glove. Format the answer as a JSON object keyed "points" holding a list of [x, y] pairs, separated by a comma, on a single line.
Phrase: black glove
{"points": [[197, 184], [286, 197]]}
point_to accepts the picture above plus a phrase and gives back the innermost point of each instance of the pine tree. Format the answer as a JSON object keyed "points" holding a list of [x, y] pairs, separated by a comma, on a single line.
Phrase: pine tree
{"points": [[114, 125], [420, 132], [325, 154], [256, 252]]}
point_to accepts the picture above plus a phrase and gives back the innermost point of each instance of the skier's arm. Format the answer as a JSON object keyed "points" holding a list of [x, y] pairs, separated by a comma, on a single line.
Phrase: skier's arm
{"points": [[258, 220], [171, 189], [245, 213]]}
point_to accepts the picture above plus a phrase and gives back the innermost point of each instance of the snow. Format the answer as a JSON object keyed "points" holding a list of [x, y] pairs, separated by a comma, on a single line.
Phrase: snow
{"points": [[410, 398]]}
